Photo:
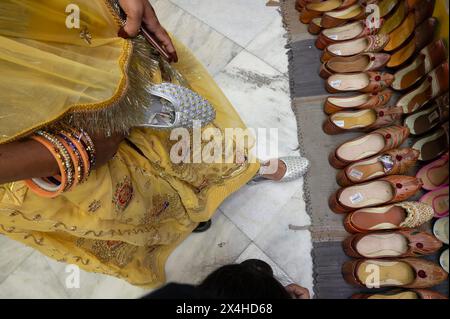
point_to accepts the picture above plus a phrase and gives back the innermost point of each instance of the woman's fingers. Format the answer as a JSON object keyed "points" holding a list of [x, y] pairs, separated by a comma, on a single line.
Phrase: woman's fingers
{"points": [[298, 292], [134, 10], [165, 40], [153, 25]]}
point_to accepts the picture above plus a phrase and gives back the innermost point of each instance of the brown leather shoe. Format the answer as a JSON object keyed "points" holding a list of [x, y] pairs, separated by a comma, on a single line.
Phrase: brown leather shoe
{"points": [[392, 244], [423, 35], [368, 145], [336, 18], [335, 104], [429, 58], [363, 62], [316, 10], [393, 162], [404, 215], [362, 120], [435, 84], [421, 11], [347, 32], [403, 294], [405, 273], [366, 82], [386, 190], [315, 26], [371, 43], [424, 121]]}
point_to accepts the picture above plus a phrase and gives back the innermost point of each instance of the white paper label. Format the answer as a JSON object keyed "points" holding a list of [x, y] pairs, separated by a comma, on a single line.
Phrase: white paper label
{"points": [[336, 83], [356, 174], [356, 198], [339, 123], [434, 115]]}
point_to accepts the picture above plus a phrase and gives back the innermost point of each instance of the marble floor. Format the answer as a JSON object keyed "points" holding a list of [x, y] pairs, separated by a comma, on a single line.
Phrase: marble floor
{"points": [[242, 44]]}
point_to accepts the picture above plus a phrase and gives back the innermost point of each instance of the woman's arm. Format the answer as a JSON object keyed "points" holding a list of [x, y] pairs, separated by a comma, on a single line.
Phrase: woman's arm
{"points": [[28, 159], [25, 159]]}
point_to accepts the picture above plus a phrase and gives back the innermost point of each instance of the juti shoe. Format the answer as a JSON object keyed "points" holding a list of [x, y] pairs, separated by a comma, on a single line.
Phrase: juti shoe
{"points": [[419, 13], [386, 190], [317, 9], [368, 145], [404, 273], [404, 215], [424, 121], [339, 17], [362, 120], [391, 244], [347, 32], [371, 81], [434, 84], [371, 43], [428, 58], [372, 100], [403, 294], [392, 162], [354, 64], [423, 35]]}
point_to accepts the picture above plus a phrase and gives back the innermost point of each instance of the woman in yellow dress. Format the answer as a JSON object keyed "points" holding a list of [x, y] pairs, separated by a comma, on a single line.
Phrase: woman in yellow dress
{"points": [[137, 205]]}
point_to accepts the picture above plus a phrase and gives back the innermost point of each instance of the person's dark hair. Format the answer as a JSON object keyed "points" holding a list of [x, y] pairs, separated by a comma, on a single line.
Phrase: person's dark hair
{"points": [[252, 279]]}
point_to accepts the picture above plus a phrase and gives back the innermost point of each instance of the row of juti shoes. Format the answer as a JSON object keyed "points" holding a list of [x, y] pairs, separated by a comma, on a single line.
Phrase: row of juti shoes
{"points": [[373, 167]]}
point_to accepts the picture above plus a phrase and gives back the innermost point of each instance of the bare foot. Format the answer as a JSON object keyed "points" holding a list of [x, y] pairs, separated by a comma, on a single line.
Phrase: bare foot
{"points": [[278, 175]]}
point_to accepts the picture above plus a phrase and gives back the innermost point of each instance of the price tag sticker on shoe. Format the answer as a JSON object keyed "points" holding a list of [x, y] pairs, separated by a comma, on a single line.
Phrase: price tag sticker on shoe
{"points": [[336, 83], [433, 116], [356, 174], [356, 198], [339, 123]]}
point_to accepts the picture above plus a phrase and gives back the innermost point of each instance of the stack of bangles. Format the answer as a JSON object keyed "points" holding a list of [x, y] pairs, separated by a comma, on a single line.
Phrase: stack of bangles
{"points": [[74, 152]]}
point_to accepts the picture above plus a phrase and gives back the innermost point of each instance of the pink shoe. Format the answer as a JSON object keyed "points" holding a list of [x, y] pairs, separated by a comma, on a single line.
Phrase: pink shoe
{"points": [[434, 174], [438, 199]]}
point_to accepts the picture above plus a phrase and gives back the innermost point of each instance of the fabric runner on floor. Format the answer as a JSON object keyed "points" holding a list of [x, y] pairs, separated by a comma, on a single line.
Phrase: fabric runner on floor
{"points": [[308, 95]]}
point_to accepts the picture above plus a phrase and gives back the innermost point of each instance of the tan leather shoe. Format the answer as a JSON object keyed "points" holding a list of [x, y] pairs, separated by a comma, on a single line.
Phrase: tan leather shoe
{"points": [[372, 100], [362, 120], [392, 162], [363, 62], [386, 190], [391, 244], [405, 273], [404, 215]]}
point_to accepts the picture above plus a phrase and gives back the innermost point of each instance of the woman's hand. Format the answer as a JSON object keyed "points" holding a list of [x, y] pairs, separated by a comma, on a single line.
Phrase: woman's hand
{"points": [[106, 147], [298, 292], [141, 12]]}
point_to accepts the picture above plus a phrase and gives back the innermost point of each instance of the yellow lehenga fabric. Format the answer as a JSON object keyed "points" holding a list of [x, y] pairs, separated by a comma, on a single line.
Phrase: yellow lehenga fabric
{"points": [[131, 213]]}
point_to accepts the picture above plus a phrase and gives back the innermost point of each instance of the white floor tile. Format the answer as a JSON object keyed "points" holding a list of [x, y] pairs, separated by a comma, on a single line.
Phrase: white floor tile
{"points": [[239, 20], [93, 285], [202, 253], [270, 46], [213, 49], [260, 94], [33, 279], [12, 254], [253, 252], [290, 249]]}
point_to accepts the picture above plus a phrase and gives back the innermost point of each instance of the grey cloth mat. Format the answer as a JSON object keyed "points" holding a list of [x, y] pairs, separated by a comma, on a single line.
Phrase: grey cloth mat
{"points": [[308, 94]]}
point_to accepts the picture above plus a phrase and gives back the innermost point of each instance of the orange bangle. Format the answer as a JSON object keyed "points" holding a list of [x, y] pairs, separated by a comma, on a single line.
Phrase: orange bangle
{"points": [[39, 187], [83, 153], [75, 161]]}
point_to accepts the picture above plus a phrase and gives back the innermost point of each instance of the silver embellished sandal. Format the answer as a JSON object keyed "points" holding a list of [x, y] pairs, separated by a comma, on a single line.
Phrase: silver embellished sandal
{"points": [[174, 106], [296, 167]]}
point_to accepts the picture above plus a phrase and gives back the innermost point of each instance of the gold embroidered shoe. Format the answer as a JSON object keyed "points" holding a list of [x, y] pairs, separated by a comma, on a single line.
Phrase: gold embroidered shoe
{"points": [[175, 106]]}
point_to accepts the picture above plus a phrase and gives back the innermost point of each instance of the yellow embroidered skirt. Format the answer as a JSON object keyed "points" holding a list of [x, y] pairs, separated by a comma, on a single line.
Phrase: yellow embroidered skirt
{"points": [[134, 211]]}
